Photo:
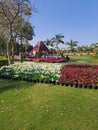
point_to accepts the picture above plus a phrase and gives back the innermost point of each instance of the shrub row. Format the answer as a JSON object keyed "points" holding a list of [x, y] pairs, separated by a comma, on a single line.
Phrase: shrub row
{"points": [[3, 61]]}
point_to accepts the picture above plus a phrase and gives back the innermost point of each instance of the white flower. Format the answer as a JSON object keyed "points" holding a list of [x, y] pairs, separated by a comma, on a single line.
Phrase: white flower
{"points": [[49, 71]]}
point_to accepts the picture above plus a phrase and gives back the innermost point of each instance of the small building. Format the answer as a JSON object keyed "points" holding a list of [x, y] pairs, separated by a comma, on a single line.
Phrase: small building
{"points": [[40, 47]]}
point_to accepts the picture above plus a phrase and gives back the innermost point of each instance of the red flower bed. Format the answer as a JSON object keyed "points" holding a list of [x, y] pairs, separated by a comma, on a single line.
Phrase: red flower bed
{"points": [[48, 60], [54, 60], [86, 75]]}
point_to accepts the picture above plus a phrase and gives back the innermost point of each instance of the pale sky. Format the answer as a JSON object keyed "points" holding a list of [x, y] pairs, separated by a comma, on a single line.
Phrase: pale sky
{"points": [[74, 19]]}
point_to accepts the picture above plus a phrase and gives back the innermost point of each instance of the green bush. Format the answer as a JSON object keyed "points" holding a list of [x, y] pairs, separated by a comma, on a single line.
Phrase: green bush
{"points": [[3, 61], [39, 54]]}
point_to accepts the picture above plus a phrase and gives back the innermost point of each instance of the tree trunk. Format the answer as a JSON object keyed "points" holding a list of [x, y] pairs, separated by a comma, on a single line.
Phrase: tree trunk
{"points": [[12, 42], [13, 52], [57, 49], [8, 54]]}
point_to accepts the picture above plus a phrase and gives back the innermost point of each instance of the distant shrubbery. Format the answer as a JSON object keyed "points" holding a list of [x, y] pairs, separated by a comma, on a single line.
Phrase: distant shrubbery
{"points": [[3, 61]]}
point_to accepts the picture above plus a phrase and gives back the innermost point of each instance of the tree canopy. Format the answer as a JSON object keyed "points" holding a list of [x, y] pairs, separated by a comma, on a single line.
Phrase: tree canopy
{"points": [[13, 21]]}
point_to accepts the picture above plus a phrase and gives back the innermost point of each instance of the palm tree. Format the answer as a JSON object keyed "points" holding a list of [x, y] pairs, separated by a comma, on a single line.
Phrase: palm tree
{"points": [[72, 44], [49, 42], [57, 40], [80, 49], [87, 49]]}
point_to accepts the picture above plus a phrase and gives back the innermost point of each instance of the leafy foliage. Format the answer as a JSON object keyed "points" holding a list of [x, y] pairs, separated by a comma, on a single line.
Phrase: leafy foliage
{"points": [[3, 61], [13, 16]]}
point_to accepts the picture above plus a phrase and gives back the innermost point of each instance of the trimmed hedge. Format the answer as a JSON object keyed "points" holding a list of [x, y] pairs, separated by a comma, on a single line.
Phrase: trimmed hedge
{"points": [[3, 61]]}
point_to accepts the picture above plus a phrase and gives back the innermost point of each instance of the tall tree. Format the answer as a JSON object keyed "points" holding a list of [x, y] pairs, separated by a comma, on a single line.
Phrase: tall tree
{"points": [[72, 44], [80, 49], [24, 33], [10, 13], [49, 42], [88, 49], [27, 31]]}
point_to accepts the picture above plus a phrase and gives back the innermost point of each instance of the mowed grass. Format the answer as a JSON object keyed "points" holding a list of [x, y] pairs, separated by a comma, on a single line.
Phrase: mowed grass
{"points": [[36, 106], [83, 60]]}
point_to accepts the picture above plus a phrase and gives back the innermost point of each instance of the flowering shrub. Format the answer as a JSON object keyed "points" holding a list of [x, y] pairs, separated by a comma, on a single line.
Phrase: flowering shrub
{"points": [[86, 75], [32, 72]]}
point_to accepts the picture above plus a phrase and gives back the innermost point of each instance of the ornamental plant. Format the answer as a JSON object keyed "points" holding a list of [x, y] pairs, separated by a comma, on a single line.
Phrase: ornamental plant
{"points": [[48, 60], [33, 72], [86, 75]]}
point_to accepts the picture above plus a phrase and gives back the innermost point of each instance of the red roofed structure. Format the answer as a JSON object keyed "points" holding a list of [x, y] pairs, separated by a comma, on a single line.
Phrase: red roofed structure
{"points": [[40, 47]]}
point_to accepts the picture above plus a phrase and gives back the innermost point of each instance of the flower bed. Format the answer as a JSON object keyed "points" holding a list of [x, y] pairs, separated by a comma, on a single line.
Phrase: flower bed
{"points": [[70, 75], [48, 60], [80, 75], [32, 72]]}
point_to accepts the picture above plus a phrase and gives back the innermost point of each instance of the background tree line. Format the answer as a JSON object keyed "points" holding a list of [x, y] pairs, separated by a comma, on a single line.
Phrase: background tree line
{"points": [[72, 46]]}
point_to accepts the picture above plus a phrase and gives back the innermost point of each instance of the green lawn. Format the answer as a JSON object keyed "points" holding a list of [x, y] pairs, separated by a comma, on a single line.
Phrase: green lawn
{"points": [[83, 60], [29, 106]]}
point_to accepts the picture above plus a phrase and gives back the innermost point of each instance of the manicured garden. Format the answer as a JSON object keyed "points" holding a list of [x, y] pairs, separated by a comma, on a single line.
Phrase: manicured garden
{"points": [[36, 106], [85, 76], [46, 86], [38, 96], [47, 60]]}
